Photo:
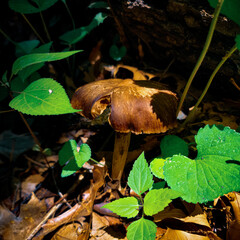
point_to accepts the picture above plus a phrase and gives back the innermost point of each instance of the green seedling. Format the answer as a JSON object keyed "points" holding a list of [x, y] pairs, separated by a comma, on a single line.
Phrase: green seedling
{"points": [[140, 180]]}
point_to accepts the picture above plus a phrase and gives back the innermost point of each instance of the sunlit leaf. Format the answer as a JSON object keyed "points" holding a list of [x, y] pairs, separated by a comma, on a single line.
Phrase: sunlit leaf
{"points": [[124, 207], [142, 229], [43, 97], [214, 172], [156, 166], [140, 178], [156, 200]]}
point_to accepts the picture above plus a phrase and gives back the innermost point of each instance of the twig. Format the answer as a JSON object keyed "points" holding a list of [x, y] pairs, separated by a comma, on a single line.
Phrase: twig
{"points": [[234, 84], [48, 215], [35, 162], [32, 27]]}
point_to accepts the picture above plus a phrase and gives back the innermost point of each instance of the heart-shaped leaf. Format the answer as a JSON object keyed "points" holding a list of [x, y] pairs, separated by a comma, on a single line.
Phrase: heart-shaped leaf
{"points": [[214, 172], [73, 156]]}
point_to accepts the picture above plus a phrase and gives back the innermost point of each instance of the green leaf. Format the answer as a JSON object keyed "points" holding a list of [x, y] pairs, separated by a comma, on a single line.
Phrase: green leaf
{"points": [[140, 178], [156, 166], [100, 4], [171, 145], [78, 34], [158, 185], [34, 58], [73, 156], [43, 97], [237, 40], [214, 172], [124, 207], [230, 8], [26, 47], [142, 229], [117, 53], [45, 48], [156, 200], [33, 6]]}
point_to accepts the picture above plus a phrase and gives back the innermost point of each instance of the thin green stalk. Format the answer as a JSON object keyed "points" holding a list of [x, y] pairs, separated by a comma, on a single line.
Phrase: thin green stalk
{"points": [[70, 14], [224, 59], [34, 30], [96, 161], [45, 27], [7, 37], [203, 53]]}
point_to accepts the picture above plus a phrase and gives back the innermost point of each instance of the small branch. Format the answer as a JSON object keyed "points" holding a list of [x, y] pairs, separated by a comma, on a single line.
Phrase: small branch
{"points": [[45, 27], [48, 215], [34, 30], [234, 84]]}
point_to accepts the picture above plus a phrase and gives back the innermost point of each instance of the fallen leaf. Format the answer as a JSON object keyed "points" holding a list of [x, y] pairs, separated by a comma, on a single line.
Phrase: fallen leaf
{"points": [[31, 214]]}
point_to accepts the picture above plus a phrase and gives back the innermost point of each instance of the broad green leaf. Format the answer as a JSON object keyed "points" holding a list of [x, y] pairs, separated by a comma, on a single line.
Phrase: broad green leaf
{"points": [[140, 178], [218, 140], [34, 58], [237, 40], [214, 172], [43, 97], [33, 6], [26, 47], [156, 200], [73, 156], [27, 71], [171, 145], [156, 166], [125, 207], [45, 48], [230, 8], [100, 4], [17, 85], [117, 53], [78, 34], [142, 229]]}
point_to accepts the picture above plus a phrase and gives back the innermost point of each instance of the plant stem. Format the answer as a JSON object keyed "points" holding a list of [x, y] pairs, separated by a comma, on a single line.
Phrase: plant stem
{"points": [[224, 59], [96, 162], [7, 37], [203, 53], [34, 30], [122, 141], [70, 14], [45, 27]]}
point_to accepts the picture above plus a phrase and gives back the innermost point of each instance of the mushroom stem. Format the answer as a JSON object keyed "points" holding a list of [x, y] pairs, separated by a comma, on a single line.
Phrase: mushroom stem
{"points": [[122, 141]]}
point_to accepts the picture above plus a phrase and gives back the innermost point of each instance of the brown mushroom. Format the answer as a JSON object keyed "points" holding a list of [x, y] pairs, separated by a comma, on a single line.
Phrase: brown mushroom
{"points": [[135, 106]]}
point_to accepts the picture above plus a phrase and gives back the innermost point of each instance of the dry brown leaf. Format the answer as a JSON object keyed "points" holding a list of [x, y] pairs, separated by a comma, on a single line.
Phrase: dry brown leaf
{"points": [[30, 183], [233, 232], [78, 210], [30, 216], [181, 235]]}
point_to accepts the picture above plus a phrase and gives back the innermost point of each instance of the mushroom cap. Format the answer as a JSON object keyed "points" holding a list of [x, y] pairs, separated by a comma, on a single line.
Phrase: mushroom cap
{"points": [[136, 106]]}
